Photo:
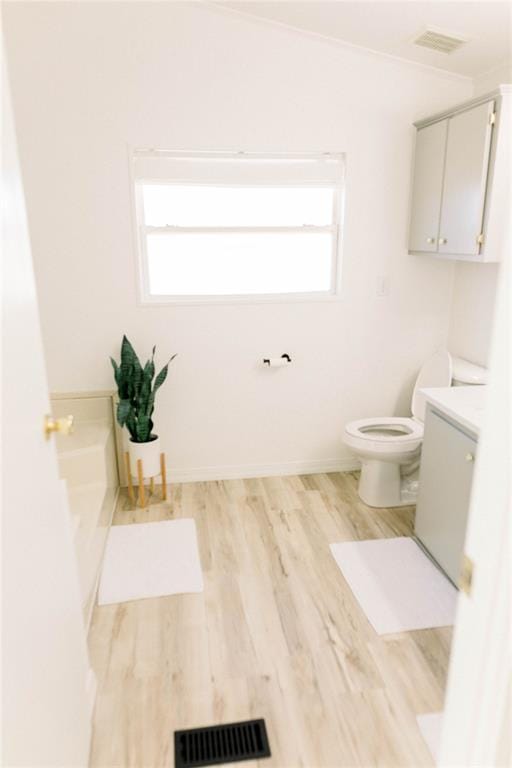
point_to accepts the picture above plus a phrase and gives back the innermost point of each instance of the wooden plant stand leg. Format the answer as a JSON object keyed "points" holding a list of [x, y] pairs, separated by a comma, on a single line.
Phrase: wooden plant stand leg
{"points": [[164, 476], [140, 474], [129, 473], [152, 485]]}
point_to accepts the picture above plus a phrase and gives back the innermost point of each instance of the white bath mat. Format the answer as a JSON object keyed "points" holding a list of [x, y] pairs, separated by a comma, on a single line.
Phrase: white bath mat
{"points": [[430, 727], [150, 560], [397, 586]]}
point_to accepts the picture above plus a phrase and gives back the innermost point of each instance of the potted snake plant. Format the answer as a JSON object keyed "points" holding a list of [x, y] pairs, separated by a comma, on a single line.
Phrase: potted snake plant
{"points": [[137, 387]]}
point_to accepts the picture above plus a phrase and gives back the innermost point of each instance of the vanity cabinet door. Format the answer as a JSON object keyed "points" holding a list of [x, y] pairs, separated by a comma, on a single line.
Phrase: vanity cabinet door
{"points": [[465, 180], [446, 474], [427, 187]]}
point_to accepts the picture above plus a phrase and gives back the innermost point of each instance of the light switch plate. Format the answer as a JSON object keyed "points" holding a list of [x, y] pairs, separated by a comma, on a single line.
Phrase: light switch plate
{"points": [[382, 285]]}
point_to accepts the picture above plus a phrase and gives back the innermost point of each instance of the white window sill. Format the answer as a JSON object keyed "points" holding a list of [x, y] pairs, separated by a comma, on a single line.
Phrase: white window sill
{"points": [[298, 298]]}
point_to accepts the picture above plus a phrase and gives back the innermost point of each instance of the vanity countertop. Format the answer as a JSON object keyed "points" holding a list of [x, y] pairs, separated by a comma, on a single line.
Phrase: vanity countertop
{"points": [[464, 405]]}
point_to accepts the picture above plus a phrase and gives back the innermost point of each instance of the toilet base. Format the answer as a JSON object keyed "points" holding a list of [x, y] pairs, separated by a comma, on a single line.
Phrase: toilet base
{"points": [[381, 485]]}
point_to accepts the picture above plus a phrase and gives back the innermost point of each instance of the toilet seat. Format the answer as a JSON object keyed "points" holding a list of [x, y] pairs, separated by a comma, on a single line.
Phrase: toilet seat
{"points": [[384, 435], [389, 447]]}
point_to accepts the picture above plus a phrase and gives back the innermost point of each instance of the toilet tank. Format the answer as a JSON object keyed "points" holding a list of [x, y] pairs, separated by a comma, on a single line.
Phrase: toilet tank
{"points": [[465, 373]]}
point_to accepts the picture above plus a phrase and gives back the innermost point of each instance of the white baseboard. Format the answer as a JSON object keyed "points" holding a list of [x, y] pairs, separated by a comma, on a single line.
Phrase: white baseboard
{"points": [[241, 471]]}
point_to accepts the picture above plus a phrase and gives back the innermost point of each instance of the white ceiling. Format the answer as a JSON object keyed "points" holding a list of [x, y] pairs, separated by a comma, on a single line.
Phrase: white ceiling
{"points": [[389, 27]]}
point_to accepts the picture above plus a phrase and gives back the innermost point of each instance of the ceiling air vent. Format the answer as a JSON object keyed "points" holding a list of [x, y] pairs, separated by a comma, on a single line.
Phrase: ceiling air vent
{"points": [[439, 41]]}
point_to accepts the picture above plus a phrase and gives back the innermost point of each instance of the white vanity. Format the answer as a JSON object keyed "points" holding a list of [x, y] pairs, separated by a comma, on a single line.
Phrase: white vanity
{"points": [[450, 445]]}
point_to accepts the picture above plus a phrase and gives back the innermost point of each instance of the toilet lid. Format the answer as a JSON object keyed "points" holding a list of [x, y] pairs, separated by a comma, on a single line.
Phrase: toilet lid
{"points": [[435, 372]]}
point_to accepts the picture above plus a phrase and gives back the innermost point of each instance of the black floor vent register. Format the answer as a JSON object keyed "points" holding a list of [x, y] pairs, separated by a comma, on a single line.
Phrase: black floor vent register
{"points": [[221, 744]]}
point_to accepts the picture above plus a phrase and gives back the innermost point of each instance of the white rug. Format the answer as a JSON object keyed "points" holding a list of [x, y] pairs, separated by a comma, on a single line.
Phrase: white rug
{"points": [[150, 560], [396, 584], [430, 727]]}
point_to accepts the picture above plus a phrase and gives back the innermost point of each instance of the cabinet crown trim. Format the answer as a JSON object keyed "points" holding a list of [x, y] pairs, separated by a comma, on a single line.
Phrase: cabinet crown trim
{"points": [[500, 91]]}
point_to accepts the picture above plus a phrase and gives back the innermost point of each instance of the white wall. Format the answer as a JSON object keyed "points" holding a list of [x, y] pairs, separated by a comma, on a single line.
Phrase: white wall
{"points": [[90, 79], [471, 319], [488, 81]]}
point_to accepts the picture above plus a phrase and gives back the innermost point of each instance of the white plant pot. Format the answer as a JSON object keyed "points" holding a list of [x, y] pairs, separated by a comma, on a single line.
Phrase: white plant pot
{"points": [[149, 453]]}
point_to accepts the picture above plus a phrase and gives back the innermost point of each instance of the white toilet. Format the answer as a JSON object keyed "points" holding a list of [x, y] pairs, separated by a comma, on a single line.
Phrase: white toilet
{"points": [[389, 448]]}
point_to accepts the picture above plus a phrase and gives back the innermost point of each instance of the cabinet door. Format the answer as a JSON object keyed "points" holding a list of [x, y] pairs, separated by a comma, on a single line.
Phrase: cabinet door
{"points": [[447, 461], [427, 187], [465, 180]]}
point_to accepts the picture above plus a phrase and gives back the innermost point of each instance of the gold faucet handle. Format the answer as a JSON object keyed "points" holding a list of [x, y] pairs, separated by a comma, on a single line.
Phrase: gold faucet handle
{"points": [[64, 425]]}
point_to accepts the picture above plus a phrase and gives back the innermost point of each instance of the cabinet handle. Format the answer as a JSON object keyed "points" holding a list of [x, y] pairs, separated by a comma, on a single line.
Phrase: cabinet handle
{"points": [[466, 574], [442, 241], [469, 457], [431, 240]]}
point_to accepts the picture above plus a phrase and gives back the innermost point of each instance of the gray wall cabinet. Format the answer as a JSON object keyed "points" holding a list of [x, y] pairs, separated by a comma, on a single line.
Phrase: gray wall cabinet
{"points": [[427, 187], [446, 475], [466, 170], [460, 157]]}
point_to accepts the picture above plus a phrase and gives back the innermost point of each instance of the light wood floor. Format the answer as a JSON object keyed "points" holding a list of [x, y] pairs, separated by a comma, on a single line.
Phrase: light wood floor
{"points": [[277, 634]]}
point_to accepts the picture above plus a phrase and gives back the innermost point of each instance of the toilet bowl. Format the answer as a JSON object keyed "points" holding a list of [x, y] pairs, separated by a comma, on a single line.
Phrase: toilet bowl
{"points": [[389, 447]]}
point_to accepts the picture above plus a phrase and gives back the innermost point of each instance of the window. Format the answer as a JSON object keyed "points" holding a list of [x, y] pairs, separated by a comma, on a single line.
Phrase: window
{"points": [[225, 226]]}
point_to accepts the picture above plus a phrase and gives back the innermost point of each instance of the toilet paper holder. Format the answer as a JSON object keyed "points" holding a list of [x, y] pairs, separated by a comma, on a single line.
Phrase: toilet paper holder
{"points": [[266, 360]]}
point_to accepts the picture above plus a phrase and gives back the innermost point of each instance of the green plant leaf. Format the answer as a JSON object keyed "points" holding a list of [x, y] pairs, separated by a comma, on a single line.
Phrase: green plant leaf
{"points": [[123, 411], [145, 392], [143, 429], [129, 357], [117, 373], [149, 370], [131, 426], [162, 375], [131, 370]]}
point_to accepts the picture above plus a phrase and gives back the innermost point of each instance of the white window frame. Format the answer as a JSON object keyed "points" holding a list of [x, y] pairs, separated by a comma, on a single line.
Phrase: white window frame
{"points": [[142, 230]]}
